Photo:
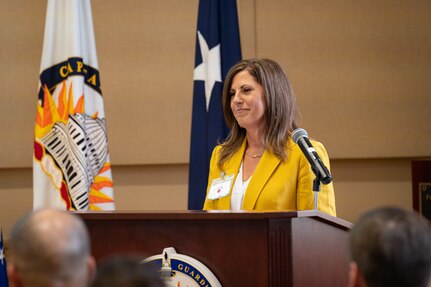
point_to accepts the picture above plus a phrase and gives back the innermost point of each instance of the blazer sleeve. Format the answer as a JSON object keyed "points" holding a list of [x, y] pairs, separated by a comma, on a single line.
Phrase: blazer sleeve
{"points": [[305, 196]]}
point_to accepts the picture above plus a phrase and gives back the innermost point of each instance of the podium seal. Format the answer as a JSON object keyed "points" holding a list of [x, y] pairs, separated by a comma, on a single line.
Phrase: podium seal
{"points": [[178, 270]]}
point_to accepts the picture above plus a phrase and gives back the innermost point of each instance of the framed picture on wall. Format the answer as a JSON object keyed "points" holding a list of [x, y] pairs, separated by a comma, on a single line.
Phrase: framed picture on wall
{"points": [[425, 199], [421, 180]]}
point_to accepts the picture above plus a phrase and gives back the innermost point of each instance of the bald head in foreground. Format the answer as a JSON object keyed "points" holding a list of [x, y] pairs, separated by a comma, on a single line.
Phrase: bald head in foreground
{"points": [[50, 247], [390, 247]]}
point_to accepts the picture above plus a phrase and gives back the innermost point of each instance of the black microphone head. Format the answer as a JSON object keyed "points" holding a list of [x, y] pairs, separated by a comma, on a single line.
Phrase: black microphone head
{"points": [[299, 133]]}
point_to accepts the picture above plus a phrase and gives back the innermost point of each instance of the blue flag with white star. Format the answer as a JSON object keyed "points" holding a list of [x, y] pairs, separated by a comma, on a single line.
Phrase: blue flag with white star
{"points": [[3, 269], [217, 50]]}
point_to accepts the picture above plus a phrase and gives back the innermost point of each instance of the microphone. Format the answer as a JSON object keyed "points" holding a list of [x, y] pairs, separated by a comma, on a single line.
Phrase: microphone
{"points": [[300, 137]]}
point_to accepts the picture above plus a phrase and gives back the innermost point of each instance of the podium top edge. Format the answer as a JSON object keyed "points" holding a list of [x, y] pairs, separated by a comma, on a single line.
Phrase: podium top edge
{"points": [[211, 215]]}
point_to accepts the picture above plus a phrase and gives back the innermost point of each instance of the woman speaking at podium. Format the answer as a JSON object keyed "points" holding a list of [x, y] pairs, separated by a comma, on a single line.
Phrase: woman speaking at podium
{"points": [[259, 167]]}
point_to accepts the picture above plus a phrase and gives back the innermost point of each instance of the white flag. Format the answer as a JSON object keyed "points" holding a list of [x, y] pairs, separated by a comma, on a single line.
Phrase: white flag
{"points": [[71, 166]]}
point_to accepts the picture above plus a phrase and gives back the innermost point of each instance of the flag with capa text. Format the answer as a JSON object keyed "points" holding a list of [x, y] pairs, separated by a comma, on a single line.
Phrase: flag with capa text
{"points": [[3, 267], [217, 50], [71, 165]]}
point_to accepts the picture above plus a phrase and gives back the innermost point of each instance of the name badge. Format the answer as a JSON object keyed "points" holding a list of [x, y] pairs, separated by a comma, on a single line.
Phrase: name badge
{"points": [[220, 187]]}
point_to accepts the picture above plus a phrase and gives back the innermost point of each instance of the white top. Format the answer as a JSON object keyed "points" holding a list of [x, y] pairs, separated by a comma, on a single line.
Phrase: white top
{"points": [[238, 191]]}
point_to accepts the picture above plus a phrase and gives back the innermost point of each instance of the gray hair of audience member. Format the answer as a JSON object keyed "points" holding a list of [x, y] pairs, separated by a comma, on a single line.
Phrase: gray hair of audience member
{"points": [[392, 247], [126, 271], [50, 246]]}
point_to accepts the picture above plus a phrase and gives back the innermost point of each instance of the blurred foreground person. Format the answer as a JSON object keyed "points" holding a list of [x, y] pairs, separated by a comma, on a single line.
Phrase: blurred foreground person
{"points": [[390, 247], [50, 247], [126, 271]]}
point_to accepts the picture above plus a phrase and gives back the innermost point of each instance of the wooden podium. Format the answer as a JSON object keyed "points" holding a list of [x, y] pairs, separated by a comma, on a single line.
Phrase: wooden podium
{"points": [[305, 248]]}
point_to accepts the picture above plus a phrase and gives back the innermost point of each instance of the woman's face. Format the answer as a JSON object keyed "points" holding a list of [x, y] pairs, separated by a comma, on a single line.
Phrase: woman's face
{"points": [[247, 101]]}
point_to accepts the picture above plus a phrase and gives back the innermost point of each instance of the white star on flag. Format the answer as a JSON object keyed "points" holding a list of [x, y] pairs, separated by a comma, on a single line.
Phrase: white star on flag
{"points": [[210, 68]]}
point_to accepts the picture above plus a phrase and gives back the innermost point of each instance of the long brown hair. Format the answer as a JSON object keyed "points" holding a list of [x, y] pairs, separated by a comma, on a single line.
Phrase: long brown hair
{"points": [[280, 111]]}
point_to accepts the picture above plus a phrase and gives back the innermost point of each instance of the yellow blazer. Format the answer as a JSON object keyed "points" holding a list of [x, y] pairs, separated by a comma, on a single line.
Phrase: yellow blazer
{"points": [[275, 185]]}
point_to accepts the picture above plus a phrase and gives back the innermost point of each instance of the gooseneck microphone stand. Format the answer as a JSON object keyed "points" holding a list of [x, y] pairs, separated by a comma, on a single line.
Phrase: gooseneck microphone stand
{"points": [[316, 189], [316, 184]]}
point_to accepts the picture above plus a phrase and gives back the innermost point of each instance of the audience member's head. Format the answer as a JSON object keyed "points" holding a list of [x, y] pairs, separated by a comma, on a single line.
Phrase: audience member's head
{"points": [[50, 247], [390, 247], [126, 271]]}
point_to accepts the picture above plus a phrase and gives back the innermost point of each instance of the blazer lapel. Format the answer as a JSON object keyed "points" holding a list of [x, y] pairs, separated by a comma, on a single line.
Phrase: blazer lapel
{"points": [[268, 163], [231, 167]]}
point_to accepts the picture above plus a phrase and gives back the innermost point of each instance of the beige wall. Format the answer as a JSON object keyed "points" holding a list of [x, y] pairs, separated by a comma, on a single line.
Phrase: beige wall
{"points": [[361, 72]]}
